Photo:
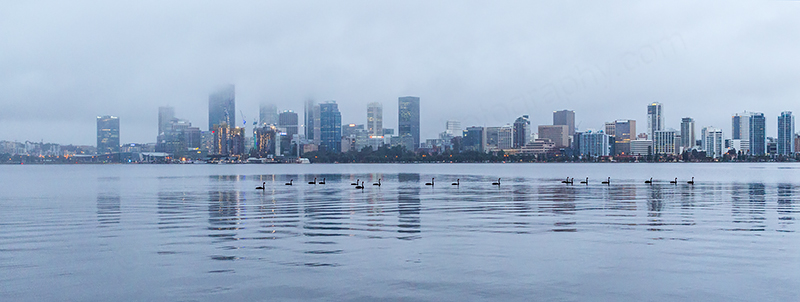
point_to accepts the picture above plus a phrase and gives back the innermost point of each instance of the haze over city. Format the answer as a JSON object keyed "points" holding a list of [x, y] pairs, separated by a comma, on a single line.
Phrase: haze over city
{"points": [[480, 63]]}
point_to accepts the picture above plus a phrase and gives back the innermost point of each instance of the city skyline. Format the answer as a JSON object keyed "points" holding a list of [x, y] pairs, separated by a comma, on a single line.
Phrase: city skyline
{"points": [[486, 72]]}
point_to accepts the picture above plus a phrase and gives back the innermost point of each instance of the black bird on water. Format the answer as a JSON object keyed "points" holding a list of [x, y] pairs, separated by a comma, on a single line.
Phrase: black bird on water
{"points": [[430, 183], [566, 181], [377, 183], [585, 181], [323, 181], [691, 182], [649, 181], [263, 184], [355, 183], [289, 183], [607, 182], [674, 181], [361, 186], [313, 182], [457, 183], [496, 183]]}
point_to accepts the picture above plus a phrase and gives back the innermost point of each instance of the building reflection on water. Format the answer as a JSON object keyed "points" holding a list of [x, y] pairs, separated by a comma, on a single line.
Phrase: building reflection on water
{"points": [[108, 201], [408, 206]]}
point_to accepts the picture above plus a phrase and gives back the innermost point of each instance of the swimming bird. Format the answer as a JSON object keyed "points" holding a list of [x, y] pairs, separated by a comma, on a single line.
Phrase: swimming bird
{"points": [[355, 183], [289, 183], [323, 181], [607, 182], [377, 183], [649, 181], [430, 183], [361, 186], [674, 181], [691, 182], [566, 181], [313, 182], [585, 181], [457, 183], [263, 184], [496, 183], [571, 181]]}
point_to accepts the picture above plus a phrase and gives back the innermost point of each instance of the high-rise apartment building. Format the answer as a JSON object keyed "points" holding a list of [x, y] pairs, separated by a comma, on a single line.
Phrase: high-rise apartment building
{"points": [[330, 126], [222, 107], [655, 118], [522, 132], [288, 120], [712, 142], [267, 114], [740, 131], [687, 133], [165, 115], [408, 118], [499, 138], [453, 128], [107, 134], [786, 133], [758, 134], [594, 144], [565, 117], [375, 119], [474, 139], [664, 142]]}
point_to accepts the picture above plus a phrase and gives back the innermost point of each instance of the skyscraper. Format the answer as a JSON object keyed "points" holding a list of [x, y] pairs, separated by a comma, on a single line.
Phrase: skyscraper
{"points": [[375, 119], [267, 114], [687, 133], [740, 131], [712, 141], [664, 141], [288, 120], [474, 139], [655, 119], [594, 144], [522, 131], [786, 133], [556, 134], [408, 118], [330, 127], [565, 117], [165, 115], [758, 136], [107, 134], [308, 119], [222, 107], [624, 133]]}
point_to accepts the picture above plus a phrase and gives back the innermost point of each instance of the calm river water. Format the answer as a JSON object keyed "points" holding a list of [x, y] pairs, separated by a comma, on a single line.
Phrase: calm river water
{"points": [[203, 233]]}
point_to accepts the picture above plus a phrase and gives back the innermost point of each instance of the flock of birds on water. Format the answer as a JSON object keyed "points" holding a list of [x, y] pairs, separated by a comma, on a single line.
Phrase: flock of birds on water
{"points": [[569, 181]]}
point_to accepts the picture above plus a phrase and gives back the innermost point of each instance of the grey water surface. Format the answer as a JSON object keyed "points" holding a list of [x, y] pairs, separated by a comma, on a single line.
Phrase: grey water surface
{"points": [[203, 233]]}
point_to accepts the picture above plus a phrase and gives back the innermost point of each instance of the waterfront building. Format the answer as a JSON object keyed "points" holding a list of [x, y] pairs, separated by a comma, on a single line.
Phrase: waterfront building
{"points": [[107, 134], [785, 143], [655, 119], [641, 147], [474, 139], [330, 127], [594, 144], [267, 141], [624, 132], [757, 134], [687, 133], [308, 119], [408, 118], [521, 132], [222, 107], [664, 141], [740, 130], [453, 128], [558, 134], [610, 128], [713, 142], [499, 138], [565, 117], [375, 119]]}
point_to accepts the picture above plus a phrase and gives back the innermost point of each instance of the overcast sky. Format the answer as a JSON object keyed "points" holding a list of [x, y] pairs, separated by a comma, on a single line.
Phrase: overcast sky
{"points": [[62, 63]]}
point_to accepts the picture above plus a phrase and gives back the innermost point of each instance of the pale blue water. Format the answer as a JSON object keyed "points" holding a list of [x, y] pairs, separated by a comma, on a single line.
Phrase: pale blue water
{"points": [[203, 233]]}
